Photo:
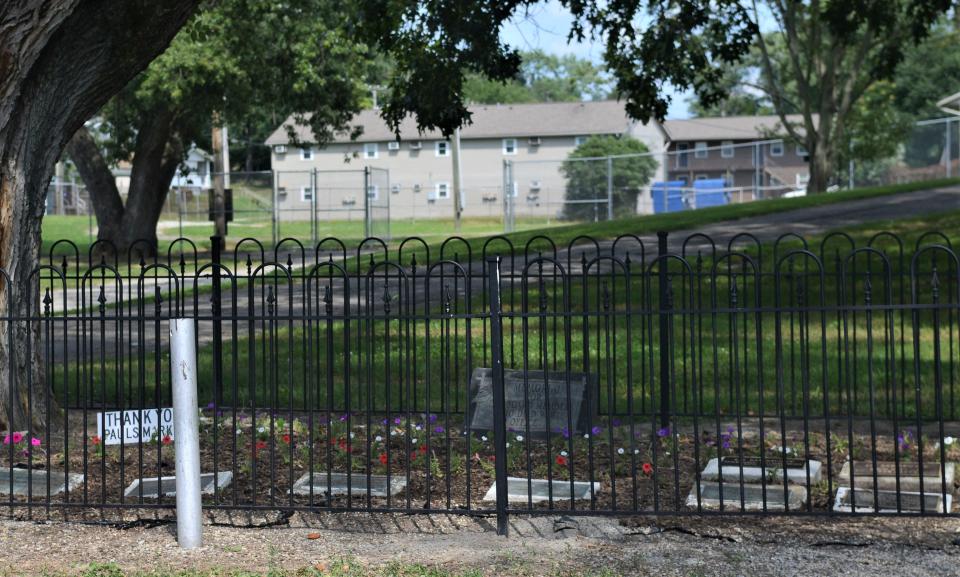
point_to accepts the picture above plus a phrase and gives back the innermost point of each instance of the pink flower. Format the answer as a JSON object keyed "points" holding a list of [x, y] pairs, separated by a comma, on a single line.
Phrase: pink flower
{"points": [[6, 440], [17, 437], [35, 442]]}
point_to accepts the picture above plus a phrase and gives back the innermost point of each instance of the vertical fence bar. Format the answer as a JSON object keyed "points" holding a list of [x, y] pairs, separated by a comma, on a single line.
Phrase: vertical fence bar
{"points": [[216, 242], [499, 397], [664, 330]]}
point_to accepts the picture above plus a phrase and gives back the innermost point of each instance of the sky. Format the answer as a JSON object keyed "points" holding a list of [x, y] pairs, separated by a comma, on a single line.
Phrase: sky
{"points": [[546, 26]]}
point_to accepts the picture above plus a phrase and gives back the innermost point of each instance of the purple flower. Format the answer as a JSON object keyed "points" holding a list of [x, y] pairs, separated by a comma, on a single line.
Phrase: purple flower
{"points": [[438, 429], [565, 432], [596, 430], [344, 417], [385, 421], [433, 418], [397, 421], [210, 406], [615, 422], [664, 432], [726, 444]]}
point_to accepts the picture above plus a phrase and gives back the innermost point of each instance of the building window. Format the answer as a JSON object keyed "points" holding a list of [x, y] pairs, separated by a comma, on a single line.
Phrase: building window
{"points": [[702, 177], [306, 193], [776, 148], [443, 190], [442, 148], [683, 155], [700, 150], [306, 153], [726, 149], [371, 150], [801, 150], [578, 140], [373, 192], [509, 146]]}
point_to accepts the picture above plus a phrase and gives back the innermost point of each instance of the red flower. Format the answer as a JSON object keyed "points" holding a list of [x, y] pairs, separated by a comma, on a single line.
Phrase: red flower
{"points": [[261, 444], [286, 439], [647, 469], [413, 455], [561, 460], [383, 458], [166, 440], [95, 440], [492, 458], [423, 448]]}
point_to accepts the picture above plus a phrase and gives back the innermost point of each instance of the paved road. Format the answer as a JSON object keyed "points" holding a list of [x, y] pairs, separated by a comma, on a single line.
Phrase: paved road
{"points": [[806, 222]]}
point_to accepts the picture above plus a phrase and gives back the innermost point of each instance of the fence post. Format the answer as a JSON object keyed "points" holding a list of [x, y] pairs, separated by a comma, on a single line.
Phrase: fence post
{"points": [[499, 397], [366, 202], [664, 330], [216, 244], [186, 429], [609, 188]]}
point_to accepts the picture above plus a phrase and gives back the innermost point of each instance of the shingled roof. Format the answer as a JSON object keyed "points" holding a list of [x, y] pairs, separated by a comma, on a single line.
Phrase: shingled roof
{"points": [[492, 121], [728, 127]]}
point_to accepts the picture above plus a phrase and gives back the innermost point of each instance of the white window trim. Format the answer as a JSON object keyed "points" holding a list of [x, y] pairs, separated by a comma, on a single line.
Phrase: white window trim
{"points": [[371, 147], [801, 150], [700, 150], [578, 140], [373, 191], [306, 153], [306, 194], [504, 146], [773, 151], [445, 186], [446, 148], [726, 149]]}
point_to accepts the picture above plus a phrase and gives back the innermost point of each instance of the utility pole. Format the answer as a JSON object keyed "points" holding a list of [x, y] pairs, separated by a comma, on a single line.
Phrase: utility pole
{"points": [[219, 196], [457, 183]]}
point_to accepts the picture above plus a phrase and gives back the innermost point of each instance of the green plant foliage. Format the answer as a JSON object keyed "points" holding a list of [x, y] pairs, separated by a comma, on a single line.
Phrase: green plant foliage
{"points": [[590, 179]]}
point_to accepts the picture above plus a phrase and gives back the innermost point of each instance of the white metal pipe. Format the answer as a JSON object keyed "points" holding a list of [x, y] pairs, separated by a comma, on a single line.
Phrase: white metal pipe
{"points": [[186, 429]]}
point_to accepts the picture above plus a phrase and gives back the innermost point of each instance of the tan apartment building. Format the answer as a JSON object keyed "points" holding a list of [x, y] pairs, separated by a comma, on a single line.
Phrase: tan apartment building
{"points": [[747, 152], [419, 166]]}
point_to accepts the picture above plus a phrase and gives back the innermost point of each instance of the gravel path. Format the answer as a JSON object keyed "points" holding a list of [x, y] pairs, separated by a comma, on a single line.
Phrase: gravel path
{"points": [[545, 546]]}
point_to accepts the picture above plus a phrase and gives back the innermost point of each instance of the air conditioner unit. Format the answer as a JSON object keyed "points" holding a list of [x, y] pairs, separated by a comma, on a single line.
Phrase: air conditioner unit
{"points": [[395, 188], [280, 149], [416, 188], [349, 201], [393, 145], [534, 141], [489, 198], [417, 145], [534, 185]]}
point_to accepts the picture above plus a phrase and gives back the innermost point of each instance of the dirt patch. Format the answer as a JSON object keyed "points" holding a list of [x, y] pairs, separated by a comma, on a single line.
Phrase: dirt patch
{"points": [[548, 546]]}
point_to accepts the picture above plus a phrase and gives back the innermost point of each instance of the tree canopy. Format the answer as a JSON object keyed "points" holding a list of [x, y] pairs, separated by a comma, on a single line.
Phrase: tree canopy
{"points": [[592, 176], [542, 78]]}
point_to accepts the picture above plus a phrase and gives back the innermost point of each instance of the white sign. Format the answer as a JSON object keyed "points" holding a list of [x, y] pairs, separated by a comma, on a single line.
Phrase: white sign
{"points": [[135, 426]]}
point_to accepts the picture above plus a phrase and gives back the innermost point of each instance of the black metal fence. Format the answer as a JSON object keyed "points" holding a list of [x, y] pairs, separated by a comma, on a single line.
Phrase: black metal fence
{"points": [[600, 377]]}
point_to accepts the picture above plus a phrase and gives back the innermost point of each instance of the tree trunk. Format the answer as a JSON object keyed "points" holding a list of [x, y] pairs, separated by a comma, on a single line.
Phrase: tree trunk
{"points": [[156, 157], [60, 61], [821, 168]]}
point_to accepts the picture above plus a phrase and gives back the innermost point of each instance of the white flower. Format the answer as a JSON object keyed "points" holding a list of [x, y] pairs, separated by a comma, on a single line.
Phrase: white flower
{"points": [[414, 441], [519, 438], [586, 435], [563, 453], [948, 440], [352, 435], [379, 438], [620, 451], [483, 438], [239, 432], [417, 427], [261, 429], [393, 433], [508, 445], [636, 451]]}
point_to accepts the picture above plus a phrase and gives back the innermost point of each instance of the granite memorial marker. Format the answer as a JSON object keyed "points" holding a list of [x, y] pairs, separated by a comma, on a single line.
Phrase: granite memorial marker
{"points": [[543, 396]]}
